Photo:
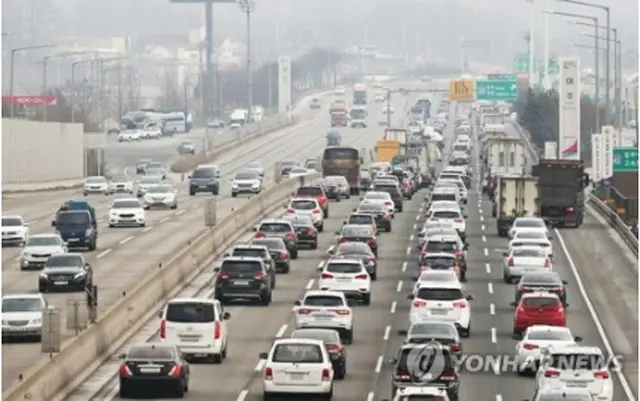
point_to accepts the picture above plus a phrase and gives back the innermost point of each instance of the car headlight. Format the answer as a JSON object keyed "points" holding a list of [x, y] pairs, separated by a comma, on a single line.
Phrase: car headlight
{"points": [[80, 275], [44, 275], [256, 184], [88, 232], [25, 254], [36, 321], [234, 185]]}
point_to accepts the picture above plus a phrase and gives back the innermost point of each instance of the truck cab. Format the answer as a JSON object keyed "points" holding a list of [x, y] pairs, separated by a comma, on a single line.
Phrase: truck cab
{"points": [[358, 117]]}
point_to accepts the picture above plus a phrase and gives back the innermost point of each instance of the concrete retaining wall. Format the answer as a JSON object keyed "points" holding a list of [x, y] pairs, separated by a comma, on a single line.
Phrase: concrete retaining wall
{"points": [[35, 153]]}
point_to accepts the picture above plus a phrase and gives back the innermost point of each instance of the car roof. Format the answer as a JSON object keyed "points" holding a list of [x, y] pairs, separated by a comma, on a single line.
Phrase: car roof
{"points": [[129, 199], [540, 294], [274, 221], [192, 300], [443, 238], [342, 262], [440, 255], [285, 341], [21, 296], [242, 259], [312, 293], [456, 285], [48, 235], [249, 246]]}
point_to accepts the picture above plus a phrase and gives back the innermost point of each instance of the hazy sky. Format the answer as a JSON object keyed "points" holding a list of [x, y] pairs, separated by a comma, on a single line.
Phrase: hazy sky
{"points": [[432, 28]]}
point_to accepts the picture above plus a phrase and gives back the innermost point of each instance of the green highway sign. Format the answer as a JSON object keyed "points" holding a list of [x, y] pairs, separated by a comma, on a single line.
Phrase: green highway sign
{"points": [[625, 159], [502, 77], [496, 90], [521, 63]]}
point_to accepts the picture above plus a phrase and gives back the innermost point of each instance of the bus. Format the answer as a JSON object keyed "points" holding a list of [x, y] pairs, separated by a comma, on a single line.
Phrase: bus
{"points": [[344, 161]]}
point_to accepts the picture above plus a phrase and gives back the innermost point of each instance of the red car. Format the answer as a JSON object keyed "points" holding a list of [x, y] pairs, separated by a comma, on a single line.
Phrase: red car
{"points": [[537, 308]]}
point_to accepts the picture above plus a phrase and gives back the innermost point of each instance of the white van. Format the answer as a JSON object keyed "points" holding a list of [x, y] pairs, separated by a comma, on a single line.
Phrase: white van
{"points": [[197, 326], [258, 113]]}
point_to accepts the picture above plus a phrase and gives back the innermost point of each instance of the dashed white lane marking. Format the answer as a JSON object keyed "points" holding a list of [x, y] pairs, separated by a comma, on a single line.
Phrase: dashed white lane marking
{"points": [[494, 335], [379, 364], [321, 264], [147, 229], [394, 305], [483, 227], [162, 220], [195, 206], [498, 397], [310, 284], [415, 226], [417, 217], [411, 238], [486, 252], [481, 218], [488, 268], [484, 239], [492, 309], [408, 250], [103, 253], [387, 332], [243, 395], [179, 212], [281, 331], [124, 241], [404, 267], [490, 288], [258, 367], [371, 395], [480, 211], [399, 287]]}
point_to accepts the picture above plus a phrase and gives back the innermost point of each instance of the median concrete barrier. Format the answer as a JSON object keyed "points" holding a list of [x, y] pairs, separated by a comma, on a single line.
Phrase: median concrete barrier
{"points": [[53, 378]]}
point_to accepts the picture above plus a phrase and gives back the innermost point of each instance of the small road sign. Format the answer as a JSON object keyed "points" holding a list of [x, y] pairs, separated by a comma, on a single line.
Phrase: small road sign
{"points": [[625, 159], [497, 90], [461, 91], [502, 77]]}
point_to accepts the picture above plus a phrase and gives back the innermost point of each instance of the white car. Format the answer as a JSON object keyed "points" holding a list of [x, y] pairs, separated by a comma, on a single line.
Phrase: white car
{"points": [[325, 309], [38, 248], [442, 300], [387, 110], [22, 316], [129, 136], [121, 185], [246, 182], [576, 366], [528, 223], [421, 393], [381, 197], [307, 207], [96, 185], [524, 234], [298, 172], [339, 90], [147, 182], [161, 195], [127, 212], [197, 326], [442, 205], [428, 276], [443, 194], [453, 216], [430, 226], [348, 276], [535, 339], [152, 131], [297, 366], [414, 128], [14, 230], [545, 244], [463, 193], [523, 259]]}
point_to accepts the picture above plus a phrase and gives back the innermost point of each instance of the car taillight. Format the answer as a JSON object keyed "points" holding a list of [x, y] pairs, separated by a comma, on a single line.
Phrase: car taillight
{"points": [[448, 375], [424, 252], [419, 304], [311, 232], [316, 211], [569, 209], [260, 235], [402, 374], [459, 220], [551, 373], [459, 254], [290, 235], [342, 311], [217, 331], [422, 234], [558, 289], [176, 370], [268, 373], [304, 311], [335, 349], [362, 276], [223, 276], [530, 346], [454, 347], [372, 241], [124, 370], [260, 276], [284, 255], [459, 305], [343, 240], [547, 263], [510, 262], [521, 310], [601, 375], [322, 199], [326, 375], [371, 259], [163, 329], [291, 211], [388, 203], [525, 289], [326, 275]]}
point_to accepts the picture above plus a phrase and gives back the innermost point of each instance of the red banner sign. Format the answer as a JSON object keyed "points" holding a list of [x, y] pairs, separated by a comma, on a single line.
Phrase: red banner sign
{"points": [[30, 100]]}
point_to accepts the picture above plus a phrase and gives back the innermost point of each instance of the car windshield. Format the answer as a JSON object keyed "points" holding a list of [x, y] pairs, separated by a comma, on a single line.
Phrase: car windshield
{"points": [[203, 173], [274, 244], [534, 302], [63, 261], [11, 222], [275, 228], [252, 252], [550, 335], [437, 329], [297, 353], [303, 204], [530, 235], [237, 266], [360, 219], [247, 175], [323, 300], [153, 352], [357, 231], [440, 261], [156, 165], [96, 180], [119, 180], [329, 337], [529, 223], [439, 294], [126, 204], [528, 253], [72, 218], [190, 312], [43, 241], [21, 305], [160, 189], [343, 268]]}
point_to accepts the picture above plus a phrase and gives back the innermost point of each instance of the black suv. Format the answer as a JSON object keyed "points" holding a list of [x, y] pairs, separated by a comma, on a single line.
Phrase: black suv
{"points": [[204, 179], [279, 228], [242, 277], [278, 251], [391, 189], [414, 359], [257, 251], [306, 231]]}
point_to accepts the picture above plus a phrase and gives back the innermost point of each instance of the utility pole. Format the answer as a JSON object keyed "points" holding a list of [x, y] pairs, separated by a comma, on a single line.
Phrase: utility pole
{"points": [[247, 6], [12, 70]]}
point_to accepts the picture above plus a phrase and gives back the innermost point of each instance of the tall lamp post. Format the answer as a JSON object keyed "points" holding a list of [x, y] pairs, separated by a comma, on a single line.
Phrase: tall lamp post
{"points": [[12, 71], [247, 7], [597, 61], [608, 59], [45, 60]]}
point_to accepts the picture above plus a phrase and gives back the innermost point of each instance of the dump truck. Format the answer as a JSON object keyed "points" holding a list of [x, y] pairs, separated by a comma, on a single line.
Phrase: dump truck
{"points": [[339, 114], [517, 196]]}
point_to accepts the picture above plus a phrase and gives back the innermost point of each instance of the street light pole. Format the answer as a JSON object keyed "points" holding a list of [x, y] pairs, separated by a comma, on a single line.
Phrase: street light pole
{"points": [[45, 59], [532, 44], [12, 70], [247, 6]]}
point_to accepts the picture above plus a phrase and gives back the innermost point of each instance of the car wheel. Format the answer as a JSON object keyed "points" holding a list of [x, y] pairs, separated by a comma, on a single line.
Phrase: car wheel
{"points": [[348, 337], [321, 228], [294, 254], [42, 288], [191, 193], [325, 213], [366, 299], [374, 276], [314, 245], [234, 195]]}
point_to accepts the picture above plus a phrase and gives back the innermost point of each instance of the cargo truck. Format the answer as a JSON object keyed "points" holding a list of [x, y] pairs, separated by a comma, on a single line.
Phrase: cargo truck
{"points": [[504, 155], [360, 94], [517, 196], [386, 150], [562, 184], [338, 112]]}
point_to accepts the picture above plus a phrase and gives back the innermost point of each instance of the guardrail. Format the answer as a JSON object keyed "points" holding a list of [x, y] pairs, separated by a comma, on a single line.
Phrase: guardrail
{"points": [[81, 355], [605, 211]]}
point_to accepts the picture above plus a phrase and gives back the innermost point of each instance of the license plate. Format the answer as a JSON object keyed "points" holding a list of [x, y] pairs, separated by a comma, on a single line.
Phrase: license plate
{"points": [[439, 311], [14, 328], [241, 282], [60, 282], [344, 280], [203, 186], [189, 339], [296, 376], [150, 370], [576, 384], [73, 240], [322, 317]]}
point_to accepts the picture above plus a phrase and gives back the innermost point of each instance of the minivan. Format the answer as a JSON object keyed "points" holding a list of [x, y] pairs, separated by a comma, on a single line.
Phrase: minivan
{"points": [[197, 326]]}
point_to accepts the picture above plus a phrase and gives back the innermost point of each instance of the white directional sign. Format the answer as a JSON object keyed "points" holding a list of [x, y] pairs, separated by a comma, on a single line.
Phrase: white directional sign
{"points": [[569, 109], [284, 84], [596, 157], [551, 150]]}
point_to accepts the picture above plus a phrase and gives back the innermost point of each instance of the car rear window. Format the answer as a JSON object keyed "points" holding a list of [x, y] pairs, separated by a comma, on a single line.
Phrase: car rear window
{"points": [[151, 352], [440, 246], [310, 191], [303, 204], [237, 266], [440, 261], [360, 219], [446, 214], [343, 268], [428, 355], [357, 231], [190, 312], [270, 243], [541, 301], [297, 353], [443, 197], [439, 294], [392, 189], [528, 253], [256, 253], [275, 228], [323, 300], [422, 397]]}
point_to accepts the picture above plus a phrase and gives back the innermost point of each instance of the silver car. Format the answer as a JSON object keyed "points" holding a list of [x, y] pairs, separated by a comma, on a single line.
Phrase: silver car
{"points": [[121, 184], [22, 316], [524, 259], [147, 181], [246, 182], [96, 185], [164, 196]]}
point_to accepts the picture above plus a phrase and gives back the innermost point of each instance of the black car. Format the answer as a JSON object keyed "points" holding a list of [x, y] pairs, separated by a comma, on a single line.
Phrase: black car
{"points": [[541, 281], [66, 271], [332, 341], [153, 366], [279, 228], [241, 277], [287, 165], [257, 251], [408, 369], [379, 211], [315, 103], [278, 251], [358, 250], [331, 191], [391, 189], [306, 231], [204, 179], [444, 333], [141, 166], [334, 139], [358, 233]]}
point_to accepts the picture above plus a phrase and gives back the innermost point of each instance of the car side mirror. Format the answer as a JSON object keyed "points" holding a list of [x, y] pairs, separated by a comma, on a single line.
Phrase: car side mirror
{"points": [[577, 339], [469, 297], [377, 233], [160, 313], [53, 223], [410, 296], [263, 355], [254, 229], [466, 216], [505, 254], [226, 316], [465, 247], [337, 233], [319, 268], [513, 304], [402, 332], [216, 269], [189, 177], [122, 356], [226, 255], [414, 279], [297, 302], [392, 361], [565, 282]]}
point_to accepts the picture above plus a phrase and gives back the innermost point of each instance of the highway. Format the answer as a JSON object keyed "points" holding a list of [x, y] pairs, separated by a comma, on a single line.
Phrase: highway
{"points": [[126, 255]]}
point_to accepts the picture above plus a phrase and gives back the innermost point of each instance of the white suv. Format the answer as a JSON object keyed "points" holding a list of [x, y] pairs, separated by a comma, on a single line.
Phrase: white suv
{"points": [[297, 366], [197, 326], [127, 212], [325, 310], [442, 300], [348, 276], [307, 207], [452, 216]]}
